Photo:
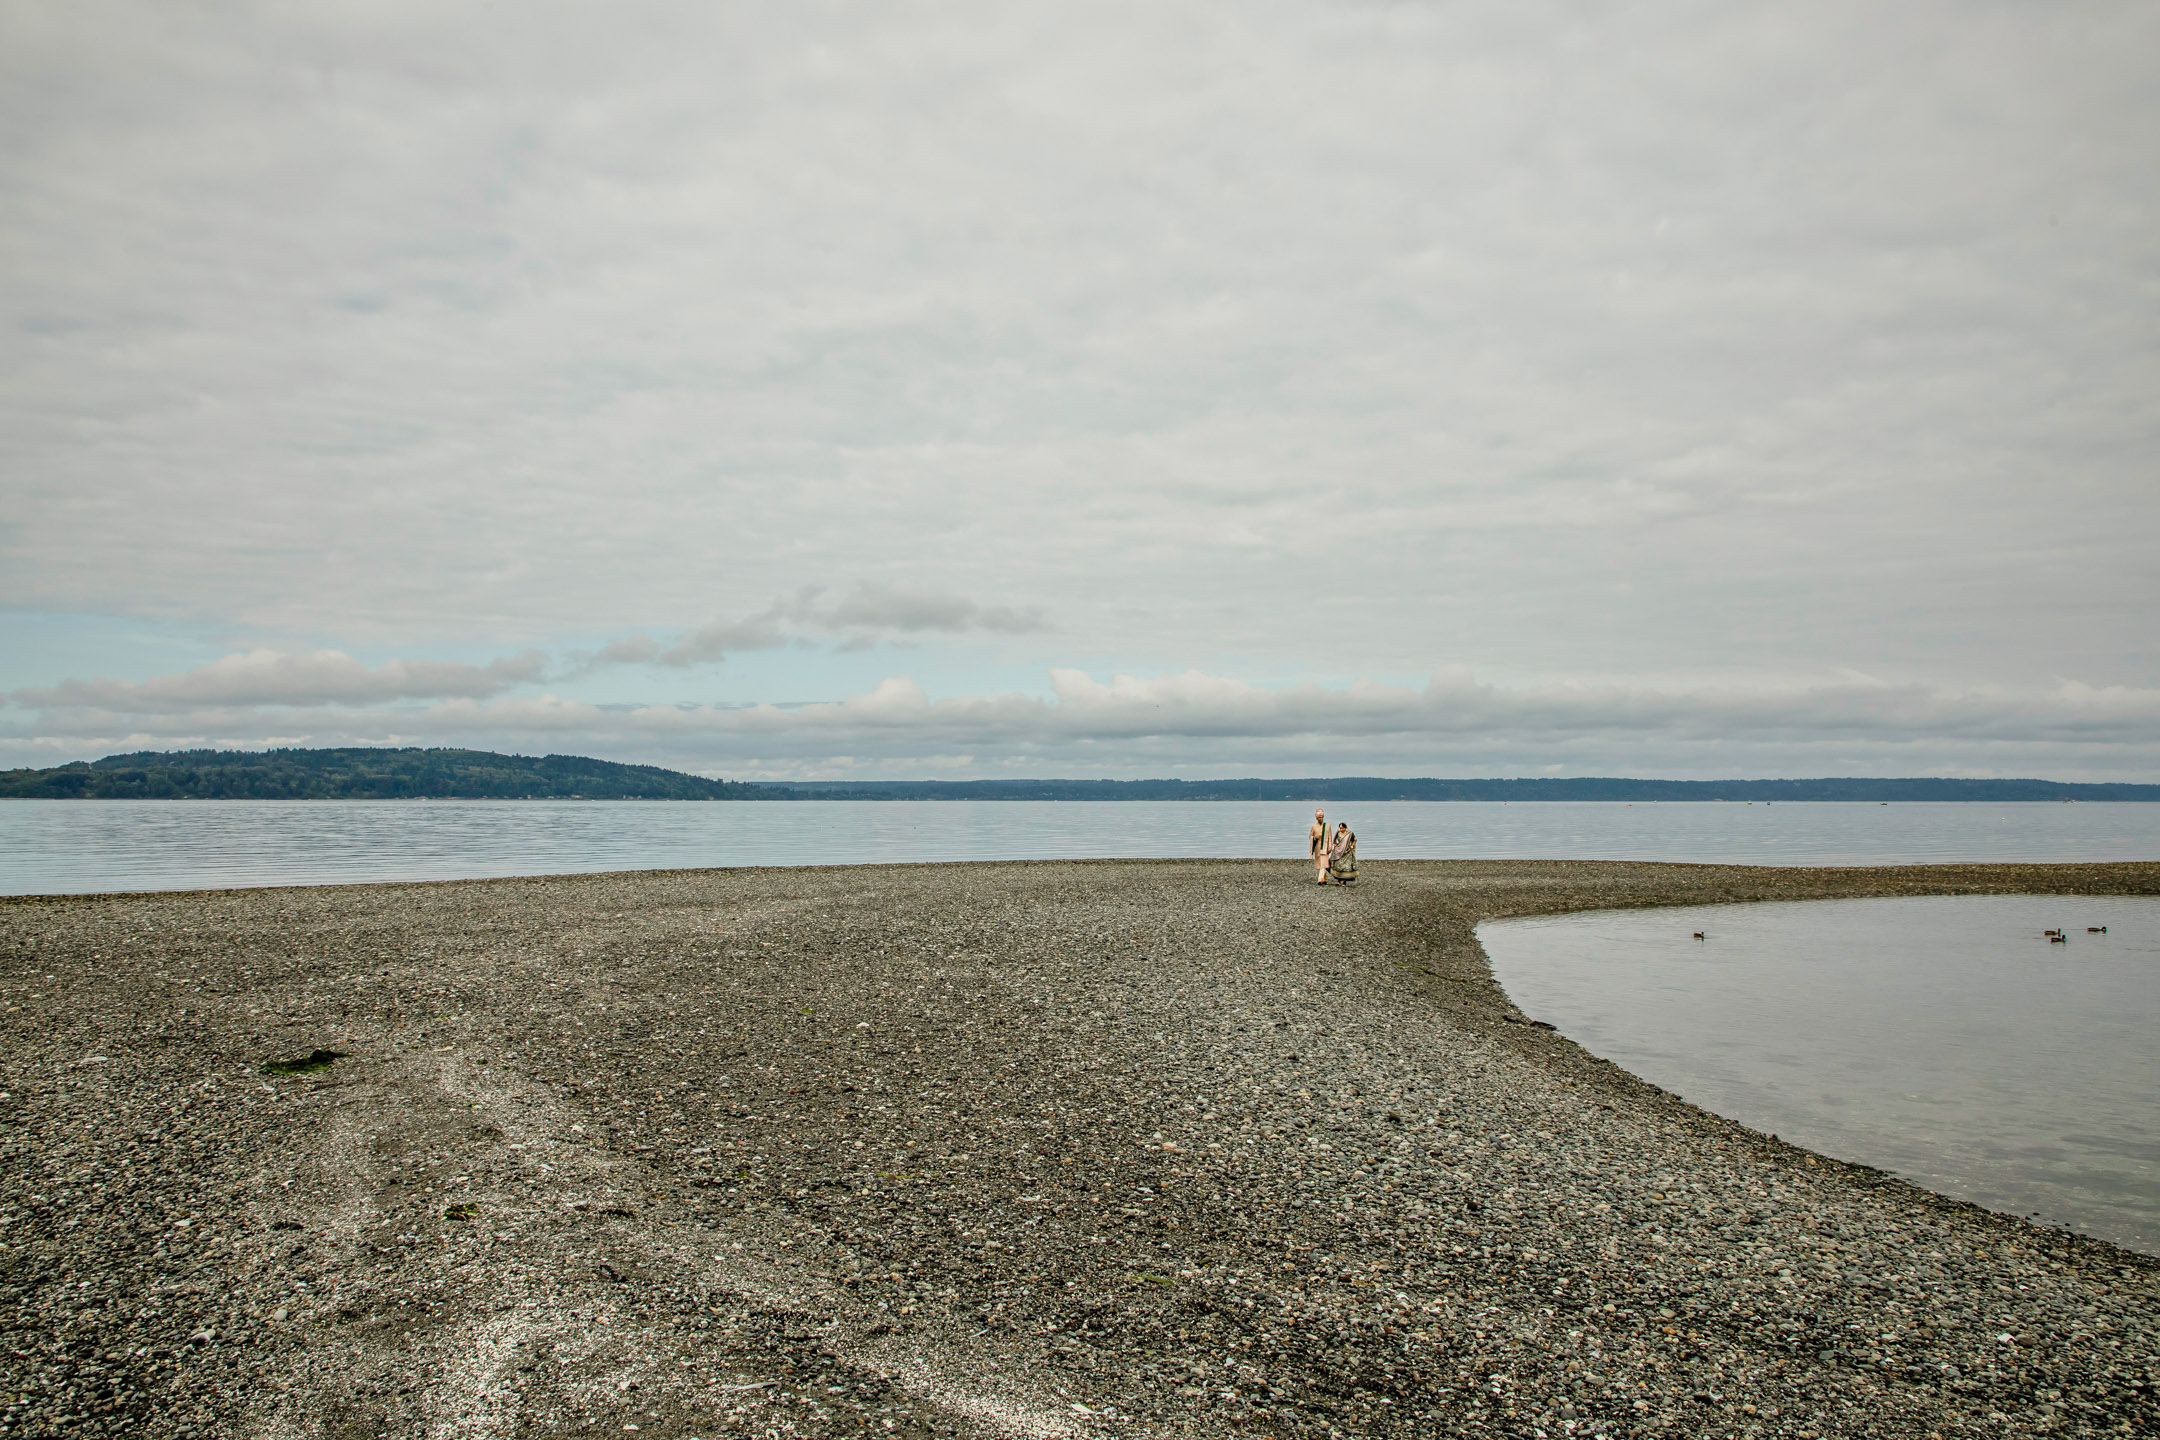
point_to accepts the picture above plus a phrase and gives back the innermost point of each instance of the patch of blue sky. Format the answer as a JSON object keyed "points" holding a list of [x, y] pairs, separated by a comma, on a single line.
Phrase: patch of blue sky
{"points": [[45, 647], [812, 672]]}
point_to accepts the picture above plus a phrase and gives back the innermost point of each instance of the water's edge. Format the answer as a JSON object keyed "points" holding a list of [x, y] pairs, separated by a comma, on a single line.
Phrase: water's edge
{"points": [[1904, 887]]}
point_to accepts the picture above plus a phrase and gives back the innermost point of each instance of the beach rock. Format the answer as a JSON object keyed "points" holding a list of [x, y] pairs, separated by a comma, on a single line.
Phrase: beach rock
{"points": [[1072, 1148]]}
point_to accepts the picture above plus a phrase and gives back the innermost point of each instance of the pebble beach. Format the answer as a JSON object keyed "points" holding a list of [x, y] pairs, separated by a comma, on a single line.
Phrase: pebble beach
{"points": [[1031, 1149]]}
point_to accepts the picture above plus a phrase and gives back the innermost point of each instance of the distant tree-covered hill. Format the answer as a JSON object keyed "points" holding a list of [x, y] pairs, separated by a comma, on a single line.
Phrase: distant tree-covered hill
{"points": [[409, 774], [357, 774]]}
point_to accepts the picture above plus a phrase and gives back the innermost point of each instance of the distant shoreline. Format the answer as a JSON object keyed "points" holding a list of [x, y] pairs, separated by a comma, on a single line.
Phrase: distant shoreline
{"points": [[1112, 800], [363, 773]]}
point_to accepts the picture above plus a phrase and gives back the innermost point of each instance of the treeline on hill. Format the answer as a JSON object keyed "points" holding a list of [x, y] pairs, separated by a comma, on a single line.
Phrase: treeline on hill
{"points": [[412, 774], [358, 774]]}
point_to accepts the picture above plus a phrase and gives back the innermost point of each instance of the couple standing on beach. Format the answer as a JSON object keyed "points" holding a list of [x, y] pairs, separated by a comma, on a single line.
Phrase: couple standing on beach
{"points": [[1334, 857]]}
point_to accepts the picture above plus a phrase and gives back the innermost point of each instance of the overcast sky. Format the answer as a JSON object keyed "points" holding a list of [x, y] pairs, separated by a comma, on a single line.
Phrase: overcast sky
{"points": [[1195, 389]]}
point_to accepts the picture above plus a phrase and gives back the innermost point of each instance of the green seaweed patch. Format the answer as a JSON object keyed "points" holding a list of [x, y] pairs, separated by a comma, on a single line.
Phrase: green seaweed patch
{"points": [[319, 1060], [467, 1210]]}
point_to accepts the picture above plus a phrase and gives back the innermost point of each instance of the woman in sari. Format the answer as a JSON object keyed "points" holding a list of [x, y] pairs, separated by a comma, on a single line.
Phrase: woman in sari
{"points": [[1342, 855]]}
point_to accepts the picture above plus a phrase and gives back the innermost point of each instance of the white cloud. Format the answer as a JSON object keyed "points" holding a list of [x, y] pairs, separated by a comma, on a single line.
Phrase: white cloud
{"points": [[1195, 723], [270, 678]]}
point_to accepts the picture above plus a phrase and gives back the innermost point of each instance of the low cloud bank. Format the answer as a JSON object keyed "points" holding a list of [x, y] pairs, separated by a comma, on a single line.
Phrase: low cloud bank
{"points": [[1191, 723], [269, 679], [274, 678]]}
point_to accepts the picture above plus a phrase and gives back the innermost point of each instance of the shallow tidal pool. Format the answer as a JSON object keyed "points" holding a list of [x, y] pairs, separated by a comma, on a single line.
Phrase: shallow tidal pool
{"points": [[1945, 1039]]}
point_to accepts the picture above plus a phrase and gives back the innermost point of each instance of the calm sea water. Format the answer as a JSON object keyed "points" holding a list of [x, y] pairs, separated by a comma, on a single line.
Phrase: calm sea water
{"points": [[1943, 1039], [89, 846]]}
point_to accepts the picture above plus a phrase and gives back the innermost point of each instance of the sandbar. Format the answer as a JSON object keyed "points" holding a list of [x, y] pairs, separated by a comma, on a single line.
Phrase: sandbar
{"points": [[1043, 1149]]}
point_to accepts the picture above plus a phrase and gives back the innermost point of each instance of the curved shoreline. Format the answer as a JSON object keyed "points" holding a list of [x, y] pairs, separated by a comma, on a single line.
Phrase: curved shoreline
{"points": [[1066, 1147], [1835, 1094]]}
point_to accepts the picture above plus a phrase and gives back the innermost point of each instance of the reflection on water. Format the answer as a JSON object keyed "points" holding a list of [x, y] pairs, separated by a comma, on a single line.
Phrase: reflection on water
{"points": [[78, 846], [1944, 1039]]}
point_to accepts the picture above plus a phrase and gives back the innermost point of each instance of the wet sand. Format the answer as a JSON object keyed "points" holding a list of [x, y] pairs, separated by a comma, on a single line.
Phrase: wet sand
{"points": [[1070, 1148]]}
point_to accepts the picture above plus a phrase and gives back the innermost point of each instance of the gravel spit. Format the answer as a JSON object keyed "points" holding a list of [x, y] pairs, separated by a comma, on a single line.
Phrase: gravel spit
{"points": [[1054, 1149]]}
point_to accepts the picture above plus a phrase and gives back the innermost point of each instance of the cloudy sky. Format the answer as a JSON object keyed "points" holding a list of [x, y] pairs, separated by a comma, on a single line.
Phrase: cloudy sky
{"points": [[1173, 388]]}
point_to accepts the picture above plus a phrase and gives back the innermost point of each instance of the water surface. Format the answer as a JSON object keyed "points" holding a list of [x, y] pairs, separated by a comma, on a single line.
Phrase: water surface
{"points": [[78, 846], [1944, 1039]]}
